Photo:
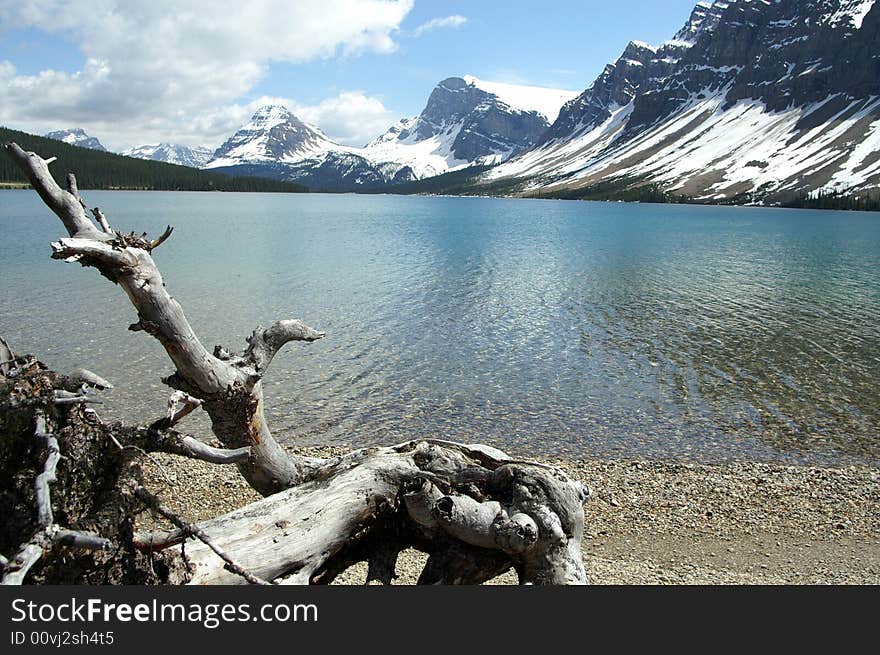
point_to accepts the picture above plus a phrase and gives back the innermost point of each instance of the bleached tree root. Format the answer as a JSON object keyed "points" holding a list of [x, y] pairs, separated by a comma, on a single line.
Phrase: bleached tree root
{"points": [[475, 512], [419, 494]]}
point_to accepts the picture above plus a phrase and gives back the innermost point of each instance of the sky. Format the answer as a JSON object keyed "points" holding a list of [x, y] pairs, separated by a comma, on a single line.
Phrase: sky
{"points": [[132, 72]]}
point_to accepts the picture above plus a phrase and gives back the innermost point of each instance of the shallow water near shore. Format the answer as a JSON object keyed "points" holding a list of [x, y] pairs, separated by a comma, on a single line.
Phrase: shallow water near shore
{"points": [[551, 327]]}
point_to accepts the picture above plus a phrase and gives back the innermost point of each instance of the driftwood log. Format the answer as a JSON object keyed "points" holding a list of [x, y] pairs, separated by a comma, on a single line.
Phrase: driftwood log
{"points": [[475, 511]]}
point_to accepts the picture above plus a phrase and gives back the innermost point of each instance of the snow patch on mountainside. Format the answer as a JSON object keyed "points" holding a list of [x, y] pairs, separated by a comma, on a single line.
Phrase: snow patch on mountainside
{"points": [[712, 152], [426, 157], [545, 101], [554, 160], [77, 137], [853, 11]]}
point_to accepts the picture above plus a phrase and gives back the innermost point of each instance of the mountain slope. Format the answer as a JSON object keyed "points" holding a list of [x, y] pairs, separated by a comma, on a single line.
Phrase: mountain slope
{"points": [[751, 100], [77, 137], [172, 153]]}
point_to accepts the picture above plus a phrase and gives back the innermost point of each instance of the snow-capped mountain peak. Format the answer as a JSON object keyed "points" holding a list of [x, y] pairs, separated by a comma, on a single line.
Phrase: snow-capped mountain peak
{"points": [[467, 121], [704, 18], [269, 116], [77, 137], [172, 153], [394, 132], [273, 135]]}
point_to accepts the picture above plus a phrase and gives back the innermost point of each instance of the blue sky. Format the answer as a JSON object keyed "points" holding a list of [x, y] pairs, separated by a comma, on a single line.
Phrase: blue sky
{"points": [[556, 44], [192, 72]]}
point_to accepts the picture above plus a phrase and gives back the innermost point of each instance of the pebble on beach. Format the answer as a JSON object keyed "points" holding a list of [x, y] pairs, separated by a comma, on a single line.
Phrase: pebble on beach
{"points": [[653, 522]]}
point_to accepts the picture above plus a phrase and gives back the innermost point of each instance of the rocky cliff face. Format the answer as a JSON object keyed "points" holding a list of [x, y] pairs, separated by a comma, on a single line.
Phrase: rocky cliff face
{"points": [[749, 100], [483, 123]]}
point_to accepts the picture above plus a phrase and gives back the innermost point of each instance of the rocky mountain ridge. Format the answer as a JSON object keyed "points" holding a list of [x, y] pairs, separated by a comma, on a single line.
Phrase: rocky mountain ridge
{"points": [[749, 101], [77, 137], [172, 153], [465, 122]]}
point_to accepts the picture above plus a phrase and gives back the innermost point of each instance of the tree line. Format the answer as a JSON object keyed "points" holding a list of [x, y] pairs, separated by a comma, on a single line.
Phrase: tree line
{"points": [[837, 200]]}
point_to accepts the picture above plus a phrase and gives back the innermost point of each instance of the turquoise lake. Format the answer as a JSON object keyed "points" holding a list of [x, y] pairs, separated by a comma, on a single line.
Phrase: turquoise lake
{"points": [[547, 327]]}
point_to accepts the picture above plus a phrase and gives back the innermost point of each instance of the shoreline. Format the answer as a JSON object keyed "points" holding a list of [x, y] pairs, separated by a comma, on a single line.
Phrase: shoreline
{"points": [[654, 522], [26, 186]]}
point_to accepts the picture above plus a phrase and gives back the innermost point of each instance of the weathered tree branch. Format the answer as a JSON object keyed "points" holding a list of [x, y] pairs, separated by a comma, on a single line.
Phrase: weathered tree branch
{"points": [[155, 243], [7, 357], [24, 560], [102, 221], [80, 377], [180, 405], [67, 398], [65, 204], [231, 390], [41, 485], [48, 534], [175, 443], [300, 535], [263, 344], [190, 529], [79, 539]]}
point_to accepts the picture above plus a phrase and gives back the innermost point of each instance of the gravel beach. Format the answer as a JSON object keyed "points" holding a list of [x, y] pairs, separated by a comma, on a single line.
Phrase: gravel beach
{"points": [[654, 522]]}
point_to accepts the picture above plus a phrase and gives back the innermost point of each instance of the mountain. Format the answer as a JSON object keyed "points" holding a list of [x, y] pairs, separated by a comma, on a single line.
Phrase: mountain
{"points": [[172, 153], [749, 101], [77, 137], [273, 136], [276, 144], [468, 122], [465, 122]]}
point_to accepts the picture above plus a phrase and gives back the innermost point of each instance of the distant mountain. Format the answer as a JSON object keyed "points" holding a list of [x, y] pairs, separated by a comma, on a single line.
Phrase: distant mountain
{"points": [[77, 137], [749, 101], [466, 122], [273, 136], [171, 153], [95, 169], [276, 144]]}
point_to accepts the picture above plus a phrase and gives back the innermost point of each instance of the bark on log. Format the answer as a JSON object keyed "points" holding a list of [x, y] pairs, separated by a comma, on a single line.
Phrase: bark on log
{"points": [[472, 509]]}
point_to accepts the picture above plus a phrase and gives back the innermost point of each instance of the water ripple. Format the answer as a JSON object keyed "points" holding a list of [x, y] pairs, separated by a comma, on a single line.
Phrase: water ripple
{"points": [[543, 326]]}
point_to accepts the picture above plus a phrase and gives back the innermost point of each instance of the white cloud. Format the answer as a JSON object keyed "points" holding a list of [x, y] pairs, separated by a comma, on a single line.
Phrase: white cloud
{"points": [[166, 70], [438, 23], [351, 117]]}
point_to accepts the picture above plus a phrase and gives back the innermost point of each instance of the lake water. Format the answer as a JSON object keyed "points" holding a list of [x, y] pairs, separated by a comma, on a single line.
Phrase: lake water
{"points": [[557, 327]]}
